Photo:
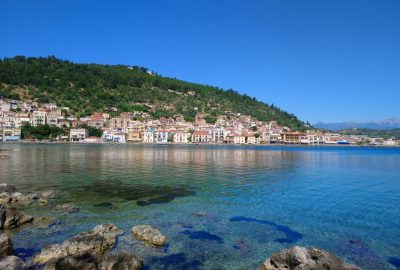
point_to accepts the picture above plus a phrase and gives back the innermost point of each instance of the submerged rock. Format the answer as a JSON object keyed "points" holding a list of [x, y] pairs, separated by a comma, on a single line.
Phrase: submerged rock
{"points": [[6, 246], [200, 214], [12, 218], [93, 243], [79, 262], [49, 194], [66, 207], [301, 258], [12, 263], [149, 234], [121, 261]]}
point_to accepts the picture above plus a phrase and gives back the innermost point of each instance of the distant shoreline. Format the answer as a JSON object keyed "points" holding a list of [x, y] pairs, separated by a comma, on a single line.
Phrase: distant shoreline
{"points": [[202, 144]]}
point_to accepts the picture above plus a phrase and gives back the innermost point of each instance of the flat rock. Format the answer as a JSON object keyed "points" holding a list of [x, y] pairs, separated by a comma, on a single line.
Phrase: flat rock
{"points": [[6, 246], [94, 243], [12, 263], [149, 234], [301, 258]]}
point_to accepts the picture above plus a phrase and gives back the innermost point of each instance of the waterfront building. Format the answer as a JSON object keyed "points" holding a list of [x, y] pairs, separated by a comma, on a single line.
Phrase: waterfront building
{"points": [[218, 135], [181, 137], [134, 136], [148, 136], [11, 135], [201, 137], [161, 136], [78, 134]]}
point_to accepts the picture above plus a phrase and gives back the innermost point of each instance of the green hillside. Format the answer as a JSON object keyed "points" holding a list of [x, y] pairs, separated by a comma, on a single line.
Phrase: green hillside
{"points": [[86, 88]]}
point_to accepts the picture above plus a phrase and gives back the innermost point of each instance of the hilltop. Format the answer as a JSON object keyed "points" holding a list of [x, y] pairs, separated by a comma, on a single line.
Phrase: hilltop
{"points": [[86, 88]]}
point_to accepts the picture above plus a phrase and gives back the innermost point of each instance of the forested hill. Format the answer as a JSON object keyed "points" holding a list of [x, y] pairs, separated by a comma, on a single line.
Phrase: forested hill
{"points": [[86, 88]]}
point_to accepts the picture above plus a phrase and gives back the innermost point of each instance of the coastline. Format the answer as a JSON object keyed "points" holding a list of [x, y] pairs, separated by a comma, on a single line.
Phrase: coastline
{"points": [[204, 144]]}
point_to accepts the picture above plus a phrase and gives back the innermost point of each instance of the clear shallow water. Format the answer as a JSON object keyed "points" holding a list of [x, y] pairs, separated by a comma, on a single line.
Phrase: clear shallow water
{"points": [[258, 200]]}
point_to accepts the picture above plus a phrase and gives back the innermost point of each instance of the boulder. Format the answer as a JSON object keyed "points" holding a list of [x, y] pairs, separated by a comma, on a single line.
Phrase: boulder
{"points": [[12, 263], [79, 262], [12, 217], [6, 246], [301, 258], [121, 261], [149, 234], [93, 243]]}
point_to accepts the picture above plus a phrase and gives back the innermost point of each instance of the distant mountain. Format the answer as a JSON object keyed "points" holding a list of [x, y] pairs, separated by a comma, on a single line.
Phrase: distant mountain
{"points": [[391, 123], [86, 88]]}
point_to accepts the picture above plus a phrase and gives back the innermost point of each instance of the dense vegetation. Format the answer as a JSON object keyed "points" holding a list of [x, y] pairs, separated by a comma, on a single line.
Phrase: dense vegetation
{"points": [[86, 88], [41, 132], [373, 133]]}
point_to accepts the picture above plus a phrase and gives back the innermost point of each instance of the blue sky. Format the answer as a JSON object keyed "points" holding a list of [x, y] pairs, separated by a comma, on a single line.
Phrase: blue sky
{"points": [[321, 60]]}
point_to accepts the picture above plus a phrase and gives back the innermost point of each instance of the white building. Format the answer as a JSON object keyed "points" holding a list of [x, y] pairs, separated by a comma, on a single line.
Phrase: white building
{"points": [[161, 136], [148, 136], [78, 134], [38, 118], [218, 135], [181, 137]]}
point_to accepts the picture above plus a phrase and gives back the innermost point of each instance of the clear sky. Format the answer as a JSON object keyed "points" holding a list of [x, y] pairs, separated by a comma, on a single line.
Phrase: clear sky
{"points": [[322, 60]]}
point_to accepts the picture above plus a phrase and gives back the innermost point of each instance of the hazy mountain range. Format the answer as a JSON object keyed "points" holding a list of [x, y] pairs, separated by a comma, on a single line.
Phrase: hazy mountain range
{"points": [[391, 123]]}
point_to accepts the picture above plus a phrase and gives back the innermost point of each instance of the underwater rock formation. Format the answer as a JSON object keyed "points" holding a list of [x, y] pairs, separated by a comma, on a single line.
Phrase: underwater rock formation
{"points": [[149, 234], [301, 258]]}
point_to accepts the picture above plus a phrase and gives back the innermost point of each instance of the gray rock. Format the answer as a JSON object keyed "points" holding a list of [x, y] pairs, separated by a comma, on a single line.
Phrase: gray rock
{"points": [[301, 258], [11, 198], [13, 218], [81, 262], [6, 246], [12, 263], [149, 234], [3, 216], [121, 261], [94, 243], [7, 188]]}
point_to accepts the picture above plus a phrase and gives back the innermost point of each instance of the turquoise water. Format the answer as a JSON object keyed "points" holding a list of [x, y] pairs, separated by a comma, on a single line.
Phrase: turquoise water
{"points": [[258, 200]]}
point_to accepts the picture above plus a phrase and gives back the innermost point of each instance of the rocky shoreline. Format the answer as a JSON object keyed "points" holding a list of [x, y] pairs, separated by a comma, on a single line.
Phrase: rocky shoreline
{"points": [[94, 249]]}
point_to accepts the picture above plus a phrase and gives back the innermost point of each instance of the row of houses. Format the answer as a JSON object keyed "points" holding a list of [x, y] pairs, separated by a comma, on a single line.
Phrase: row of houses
{"points": [[140, 127]]}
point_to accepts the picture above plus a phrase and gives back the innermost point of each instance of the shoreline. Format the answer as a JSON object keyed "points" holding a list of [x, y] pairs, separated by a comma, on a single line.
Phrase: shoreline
{"points": [[202, 144]]}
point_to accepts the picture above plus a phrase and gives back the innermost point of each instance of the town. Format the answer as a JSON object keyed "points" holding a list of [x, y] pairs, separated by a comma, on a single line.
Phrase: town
{"points": [[140, 127]]}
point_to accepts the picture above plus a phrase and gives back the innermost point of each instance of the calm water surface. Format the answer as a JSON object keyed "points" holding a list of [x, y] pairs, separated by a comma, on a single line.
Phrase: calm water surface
{"points": [[258, 200]]}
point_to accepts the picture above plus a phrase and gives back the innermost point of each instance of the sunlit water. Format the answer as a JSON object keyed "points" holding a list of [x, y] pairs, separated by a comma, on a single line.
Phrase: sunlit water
{"points": [[258, 200]]}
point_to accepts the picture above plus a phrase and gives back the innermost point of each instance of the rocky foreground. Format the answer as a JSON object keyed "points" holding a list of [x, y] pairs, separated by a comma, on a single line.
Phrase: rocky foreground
{"points": [[92, 250]]}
